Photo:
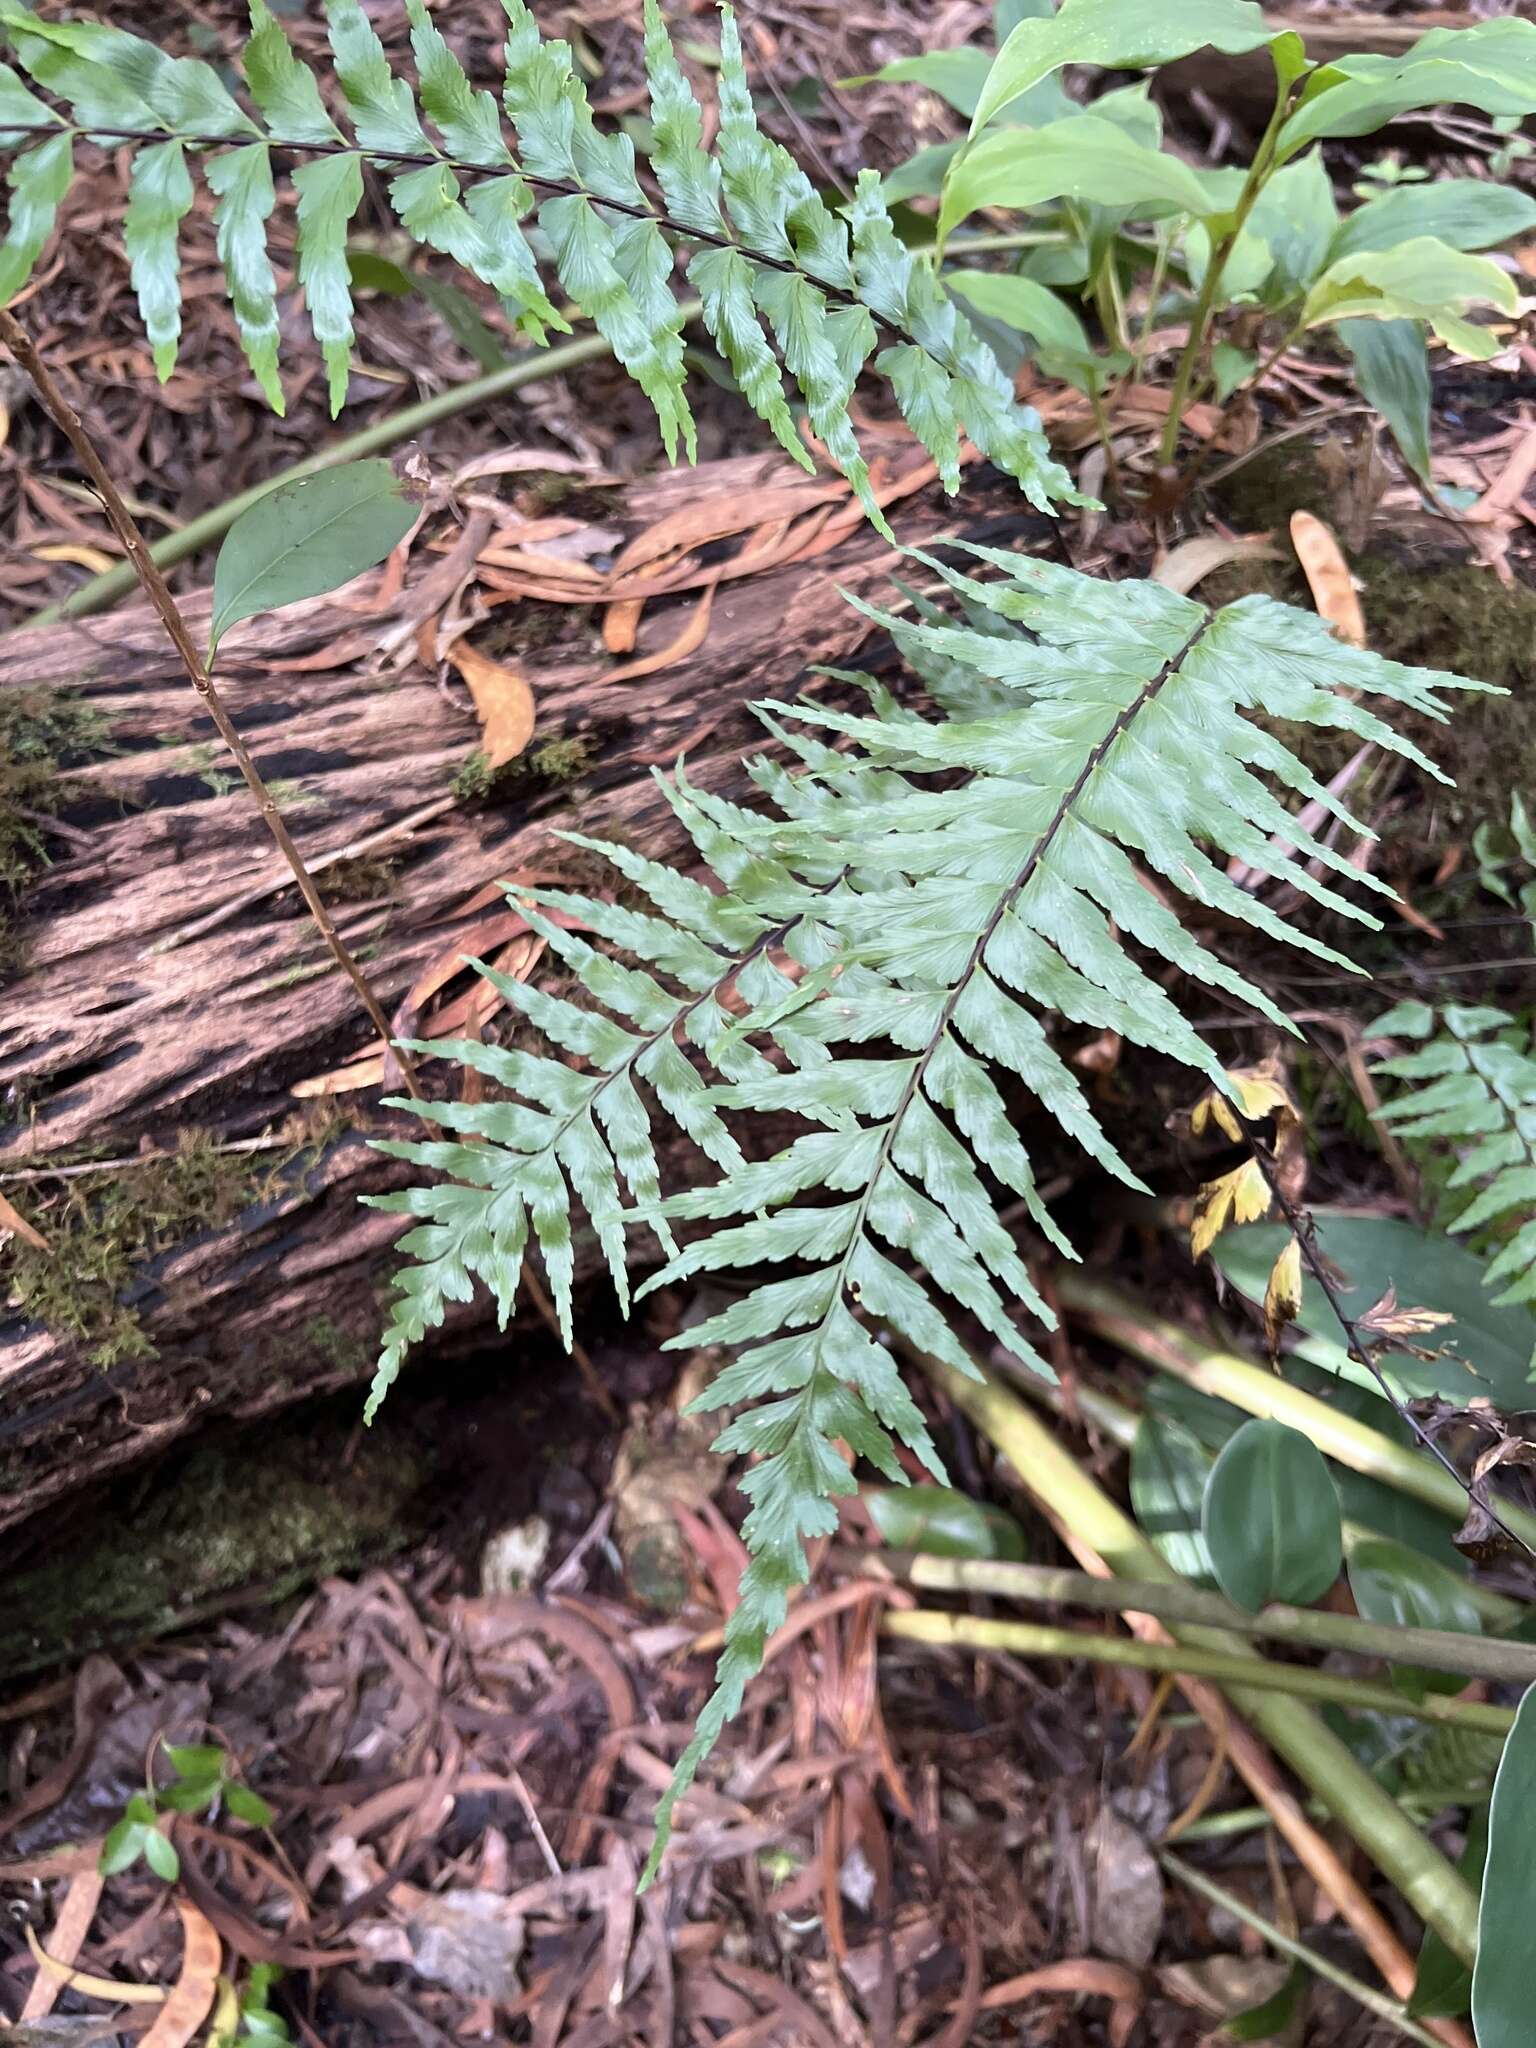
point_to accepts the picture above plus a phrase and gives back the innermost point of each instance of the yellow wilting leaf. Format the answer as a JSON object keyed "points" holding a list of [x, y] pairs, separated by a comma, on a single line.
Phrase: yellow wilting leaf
{"points": [[1261, 1092], [503, 703], [1328, 578], [1282, 1297], [1241, 1196]]}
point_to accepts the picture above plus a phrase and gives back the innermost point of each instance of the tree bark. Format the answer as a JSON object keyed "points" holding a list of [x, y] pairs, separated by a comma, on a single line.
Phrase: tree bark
{"points": [[171, 980]]}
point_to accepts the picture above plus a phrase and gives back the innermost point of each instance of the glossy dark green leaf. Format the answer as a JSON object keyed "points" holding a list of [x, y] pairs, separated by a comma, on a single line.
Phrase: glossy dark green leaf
{"points": [[1399, 1588], [1501, 1981], [308, 537], [1169, 1468], [943, 1522], [1271, 1518], [1442, 1984]]}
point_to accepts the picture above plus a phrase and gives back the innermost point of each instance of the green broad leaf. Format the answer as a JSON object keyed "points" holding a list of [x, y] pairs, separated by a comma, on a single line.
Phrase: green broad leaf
{"points": [[1464, 213], [284, 89], [1296, 218], [1391, 360], [1423, 279], [160, 1854], [942, 1522], [330, 190], [1501, 1988], [159, 198], [1442, 1985], [308, 537], [1490, 65], [123, 1847], [1400, 1588], [922, 175], [248, 1806], [38, 179], [1230, 367], [957, 76], [1485, 1351], [689, 177], [1169, 1468], [1021, 303], [1271, 1519], [1117, 35], [241, 181], [196, 1759], [1275, 2019], [1083, 159]]}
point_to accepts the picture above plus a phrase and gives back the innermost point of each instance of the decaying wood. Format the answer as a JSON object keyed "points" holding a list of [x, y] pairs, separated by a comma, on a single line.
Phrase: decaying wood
{"points": [[171, 978]]}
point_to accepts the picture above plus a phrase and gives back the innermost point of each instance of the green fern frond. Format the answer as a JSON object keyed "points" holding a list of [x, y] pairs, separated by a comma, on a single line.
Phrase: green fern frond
{"points": [[886, 952], [781, 276], [1479, 1076]]}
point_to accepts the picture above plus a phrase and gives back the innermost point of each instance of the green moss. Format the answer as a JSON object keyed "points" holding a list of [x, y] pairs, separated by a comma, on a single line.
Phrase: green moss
{"points": [[273, 1509], [562, 759], [363, 880], [104, 1227], [42, 732], [553, 762]]}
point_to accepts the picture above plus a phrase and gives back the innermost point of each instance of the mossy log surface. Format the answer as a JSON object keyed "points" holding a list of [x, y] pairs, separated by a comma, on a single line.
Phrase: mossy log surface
{"points": [[164, 978]]}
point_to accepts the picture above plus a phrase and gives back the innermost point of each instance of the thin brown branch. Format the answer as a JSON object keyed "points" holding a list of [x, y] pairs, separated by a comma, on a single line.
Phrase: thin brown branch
{"points": [[69, 423]]}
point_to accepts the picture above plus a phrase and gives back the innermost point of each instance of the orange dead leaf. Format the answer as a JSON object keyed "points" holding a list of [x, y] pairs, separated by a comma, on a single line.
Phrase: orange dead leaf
{"points": [[1328, 578], [12, 1219], [503, 702], [192, 1995], [363, 1073], [1282, 1297]]}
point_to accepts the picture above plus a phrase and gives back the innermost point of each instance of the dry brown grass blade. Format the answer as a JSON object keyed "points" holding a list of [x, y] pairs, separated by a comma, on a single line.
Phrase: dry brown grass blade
{"points": [[191, 1997], [66, 1940]]}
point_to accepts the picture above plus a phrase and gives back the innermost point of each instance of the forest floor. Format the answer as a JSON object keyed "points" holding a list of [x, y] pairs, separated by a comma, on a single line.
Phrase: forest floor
{"points": [[454, 1656]]}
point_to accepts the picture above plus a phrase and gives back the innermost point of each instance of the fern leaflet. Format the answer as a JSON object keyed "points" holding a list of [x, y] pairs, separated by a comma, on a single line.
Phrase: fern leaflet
{"points": [[778, 272]]}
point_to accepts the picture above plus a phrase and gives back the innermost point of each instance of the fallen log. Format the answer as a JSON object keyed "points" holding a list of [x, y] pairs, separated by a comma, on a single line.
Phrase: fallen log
{"points": [[171, 984]]}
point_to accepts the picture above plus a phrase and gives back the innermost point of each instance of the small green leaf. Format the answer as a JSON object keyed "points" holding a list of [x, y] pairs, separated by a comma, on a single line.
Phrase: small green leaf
{"points": [[330, 190], [249, 1806], [1421, 279], [1464, 213], [1392, 369], [193, 1795], [38, 180], [1490, 65], [308, 537], [160, 1855], [1399, 1588], [1501, 1981], [943, 1522], [282, 87], [1270, 1518], [141, 1808], [122, 1848], [241, 181]]}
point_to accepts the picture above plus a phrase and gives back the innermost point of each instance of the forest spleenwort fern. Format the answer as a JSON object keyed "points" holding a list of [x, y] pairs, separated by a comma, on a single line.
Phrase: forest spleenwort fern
{"points": [[781, 276], [897, 929]]}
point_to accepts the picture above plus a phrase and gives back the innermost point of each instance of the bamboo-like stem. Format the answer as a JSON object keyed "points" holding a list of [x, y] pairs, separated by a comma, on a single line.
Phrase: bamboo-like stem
{"points": [[1363, 1994], [142, 566], [1237, 1667], [1229, 1377], [1435, 1649], [1435, 1891]]}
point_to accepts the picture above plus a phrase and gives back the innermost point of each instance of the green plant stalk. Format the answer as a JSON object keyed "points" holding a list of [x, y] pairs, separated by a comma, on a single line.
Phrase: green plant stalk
{"points": [[1237, 1667], [1374, 2001], [1436, 1892], [1229, 1377], [1215, 269], [1033, 1584], [104, 590]]}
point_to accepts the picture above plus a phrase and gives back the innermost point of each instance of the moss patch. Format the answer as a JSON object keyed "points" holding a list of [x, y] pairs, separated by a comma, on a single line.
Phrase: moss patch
{"points": [[104, 1227], [42, 732], [565, 758]]}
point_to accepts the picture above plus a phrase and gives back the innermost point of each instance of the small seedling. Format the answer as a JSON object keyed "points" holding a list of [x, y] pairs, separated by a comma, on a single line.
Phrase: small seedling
{"points": [[202, 1779]]}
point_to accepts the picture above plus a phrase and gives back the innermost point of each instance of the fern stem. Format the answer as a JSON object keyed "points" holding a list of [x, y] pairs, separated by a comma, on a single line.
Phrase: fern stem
{"points": [[1363, 1994], [1441, 1897], [1226, 1668], [104, 591], [1031, 1584], [1230, 1377], [142, 566]]}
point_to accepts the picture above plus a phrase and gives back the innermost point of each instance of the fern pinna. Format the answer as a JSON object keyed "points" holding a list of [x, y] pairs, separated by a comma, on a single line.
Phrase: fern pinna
{"points": [[878, 947], [1478, 1091], [767, 247]]}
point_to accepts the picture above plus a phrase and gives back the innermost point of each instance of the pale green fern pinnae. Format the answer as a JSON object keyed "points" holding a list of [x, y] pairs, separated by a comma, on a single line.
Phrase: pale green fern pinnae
{"points": [[901, 926], [1479, 1093], [779, 274]]}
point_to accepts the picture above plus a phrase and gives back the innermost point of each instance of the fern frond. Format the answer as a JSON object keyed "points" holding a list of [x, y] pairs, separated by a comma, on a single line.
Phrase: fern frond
{"points": [[904, 929], [780, 274], [1479, 1091]]}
